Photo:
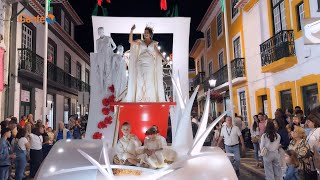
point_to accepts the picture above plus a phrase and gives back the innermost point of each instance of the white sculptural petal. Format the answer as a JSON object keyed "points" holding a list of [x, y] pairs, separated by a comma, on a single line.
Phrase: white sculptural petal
{"points": [[204, 120], [198, 145], [106, 158], [179, 94], [95, 163]]}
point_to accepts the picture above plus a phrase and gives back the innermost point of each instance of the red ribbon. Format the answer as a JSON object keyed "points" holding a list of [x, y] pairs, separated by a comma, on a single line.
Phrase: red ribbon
{"points": [[163, 5]]}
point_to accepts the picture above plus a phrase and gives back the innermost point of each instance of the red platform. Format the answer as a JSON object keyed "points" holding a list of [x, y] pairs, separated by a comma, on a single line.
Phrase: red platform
{"points": [[143, 115]]}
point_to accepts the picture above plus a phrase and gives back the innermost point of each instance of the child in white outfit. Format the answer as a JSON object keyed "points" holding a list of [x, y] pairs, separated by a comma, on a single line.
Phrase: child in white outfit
{"points": [[126, 147]]}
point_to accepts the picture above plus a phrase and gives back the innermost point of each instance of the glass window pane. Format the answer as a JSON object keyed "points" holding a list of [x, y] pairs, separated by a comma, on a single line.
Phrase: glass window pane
{"points": [[221, 64], [27, 37], [219, 24], [234, 10], [286, 99], [310, 97], [243, 104], [283, 16]]}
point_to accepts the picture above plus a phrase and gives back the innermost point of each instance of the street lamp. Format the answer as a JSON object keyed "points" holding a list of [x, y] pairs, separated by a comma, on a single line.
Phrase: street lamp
{"points": [[212, 83], [159, 47], [168, 58], [164, 53]]}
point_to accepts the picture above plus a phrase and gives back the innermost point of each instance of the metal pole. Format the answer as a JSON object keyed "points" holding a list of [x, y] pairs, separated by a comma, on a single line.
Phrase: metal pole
{"points": [[228, 58], [45, 59]]}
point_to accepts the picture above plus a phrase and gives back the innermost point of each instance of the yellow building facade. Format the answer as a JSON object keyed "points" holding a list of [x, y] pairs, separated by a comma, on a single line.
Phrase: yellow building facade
{"points": [[271, 67]]}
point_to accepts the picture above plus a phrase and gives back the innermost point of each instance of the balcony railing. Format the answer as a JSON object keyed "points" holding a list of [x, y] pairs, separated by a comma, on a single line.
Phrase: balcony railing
{"points": [[221, 76], [279, 46], [199, 79], [32, 62]]}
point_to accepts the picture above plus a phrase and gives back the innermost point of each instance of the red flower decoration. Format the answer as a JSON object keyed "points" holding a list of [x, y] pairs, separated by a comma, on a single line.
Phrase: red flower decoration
{"points": [[112, 109], [97, 135], [105, 111], [108, 1], [163, 5], [111, 98], [99, 2], [105, 101], [102, 125], [215, 96], [111, 88], [108, 120]]}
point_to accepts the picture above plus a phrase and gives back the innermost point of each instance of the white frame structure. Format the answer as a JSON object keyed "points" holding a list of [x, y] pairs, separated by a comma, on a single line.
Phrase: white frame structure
{"points": [[178, 26]]}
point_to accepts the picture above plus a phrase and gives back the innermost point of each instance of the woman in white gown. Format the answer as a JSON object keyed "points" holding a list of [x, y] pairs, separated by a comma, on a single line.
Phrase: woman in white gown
{"points": [[145, 70]]}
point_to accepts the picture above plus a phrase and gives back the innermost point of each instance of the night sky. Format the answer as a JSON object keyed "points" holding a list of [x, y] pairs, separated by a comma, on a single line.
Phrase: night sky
{"points": [[138, 8]]}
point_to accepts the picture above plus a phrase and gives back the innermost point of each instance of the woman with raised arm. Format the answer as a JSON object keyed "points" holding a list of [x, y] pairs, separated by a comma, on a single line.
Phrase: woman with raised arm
{"points": [[145, 69]]}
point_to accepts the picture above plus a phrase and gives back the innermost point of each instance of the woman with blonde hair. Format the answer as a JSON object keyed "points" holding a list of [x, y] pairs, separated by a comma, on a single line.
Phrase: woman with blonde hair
{"points": [[301, 147]]}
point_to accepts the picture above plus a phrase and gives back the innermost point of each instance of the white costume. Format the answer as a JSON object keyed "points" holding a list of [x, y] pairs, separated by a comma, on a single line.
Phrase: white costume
{"points": [[163, 152], [119, 78], [126, 147], [145, 74], [105, 47]]}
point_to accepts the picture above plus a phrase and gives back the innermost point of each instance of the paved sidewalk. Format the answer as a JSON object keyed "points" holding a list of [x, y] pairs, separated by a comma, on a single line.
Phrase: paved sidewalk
{"points": [[249, 164]]}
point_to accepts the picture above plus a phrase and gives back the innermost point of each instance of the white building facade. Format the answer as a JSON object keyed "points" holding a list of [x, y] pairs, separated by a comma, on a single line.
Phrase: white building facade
{"points": [[5, 15], [68, 64], [282, 72]]}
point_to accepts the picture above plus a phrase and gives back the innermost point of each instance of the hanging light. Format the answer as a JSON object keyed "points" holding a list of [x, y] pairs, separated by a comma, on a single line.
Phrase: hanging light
{"points": [[212, 82]]}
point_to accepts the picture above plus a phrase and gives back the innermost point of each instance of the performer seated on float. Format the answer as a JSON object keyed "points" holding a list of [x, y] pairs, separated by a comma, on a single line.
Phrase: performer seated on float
{"points": [[169, 154], [126, 147], [155, 150], [163, 140]]}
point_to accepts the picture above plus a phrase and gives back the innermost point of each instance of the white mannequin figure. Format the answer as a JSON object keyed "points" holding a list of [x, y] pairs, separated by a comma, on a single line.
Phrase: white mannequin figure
{"points": [[105, 47], [119, 78]]}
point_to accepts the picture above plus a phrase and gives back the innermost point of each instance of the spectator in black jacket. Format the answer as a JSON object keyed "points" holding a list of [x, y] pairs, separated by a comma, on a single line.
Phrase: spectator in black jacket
{"points": [[46, 147]]}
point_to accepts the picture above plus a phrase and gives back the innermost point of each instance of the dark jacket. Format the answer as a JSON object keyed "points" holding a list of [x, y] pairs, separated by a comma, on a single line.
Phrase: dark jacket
{"points": [[46, 149], [284, 141]]}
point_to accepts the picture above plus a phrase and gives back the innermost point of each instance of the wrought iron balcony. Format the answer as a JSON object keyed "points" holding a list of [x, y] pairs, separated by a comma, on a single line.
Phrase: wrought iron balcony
{"points": [[277, 47], [31, 62], [237, 70], [199, 79]]}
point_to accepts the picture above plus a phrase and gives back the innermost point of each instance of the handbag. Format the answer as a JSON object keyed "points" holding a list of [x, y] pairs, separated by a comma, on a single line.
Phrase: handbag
{"points": [[263, 151], [255, 139], [309, 173]]}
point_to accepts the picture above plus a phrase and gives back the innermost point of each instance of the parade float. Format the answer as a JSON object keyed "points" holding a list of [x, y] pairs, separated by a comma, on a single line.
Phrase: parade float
{"points": [[92, 157]]}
